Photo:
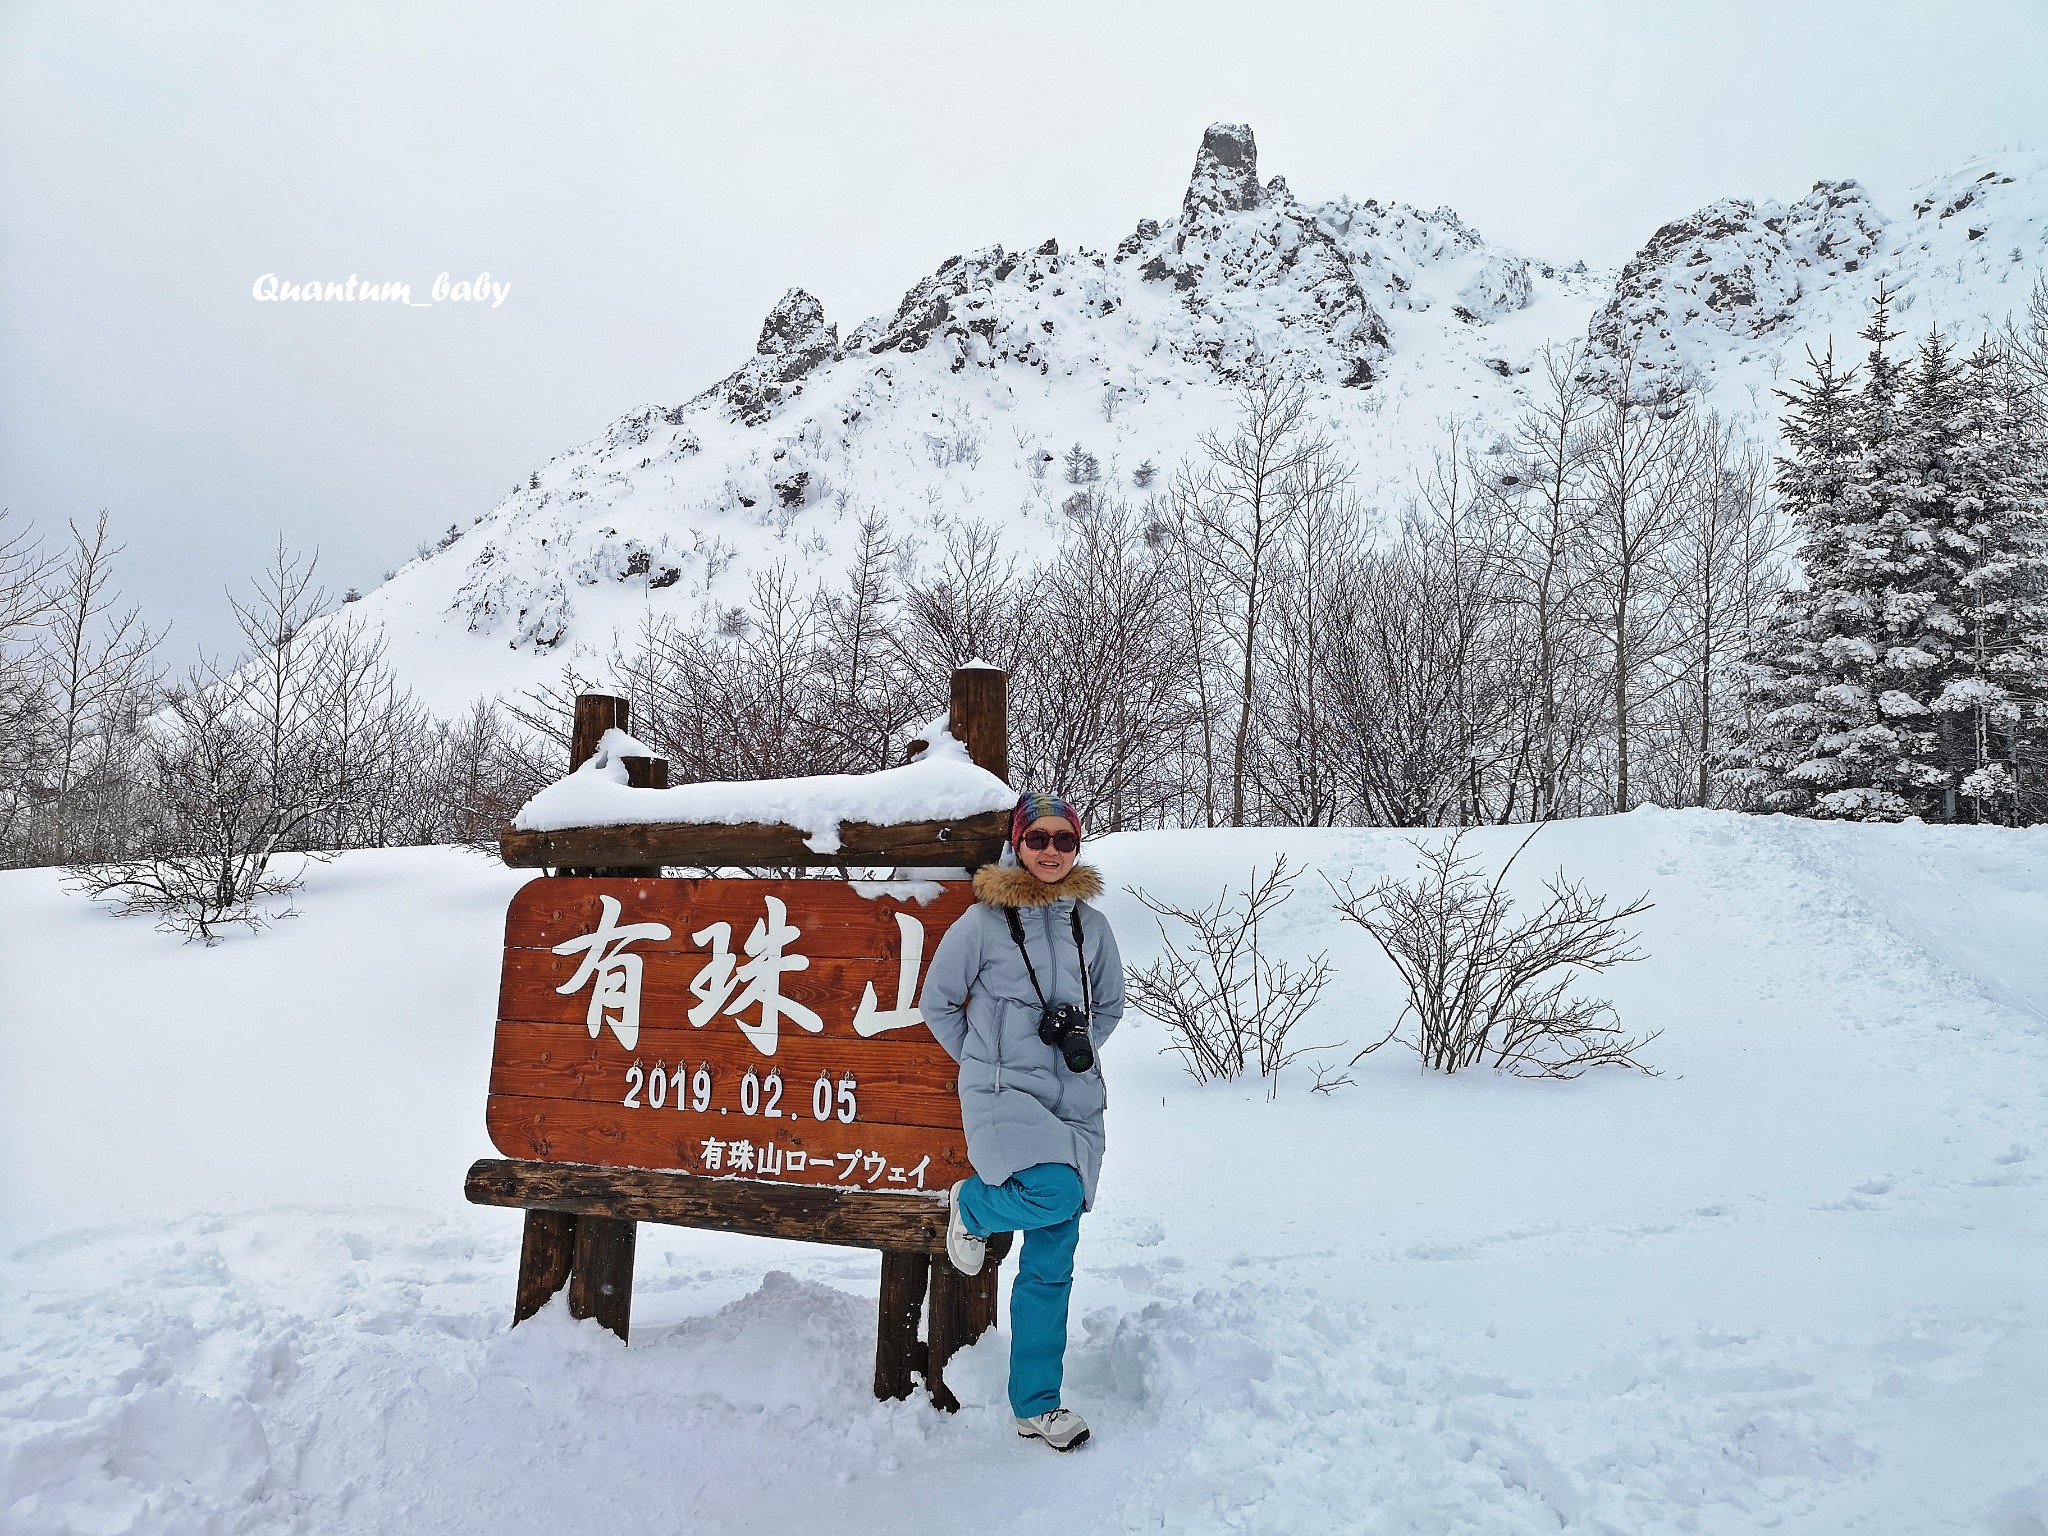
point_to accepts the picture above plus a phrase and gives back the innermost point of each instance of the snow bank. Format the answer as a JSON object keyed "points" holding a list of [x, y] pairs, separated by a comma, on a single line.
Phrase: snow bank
{"points": [[1792, 1283], [941, 784]]}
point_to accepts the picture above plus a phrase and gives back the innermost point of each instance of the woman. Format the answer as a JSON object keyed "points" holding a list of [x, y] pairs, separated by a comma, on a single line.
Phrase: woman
{"points": [[1022, 992]]}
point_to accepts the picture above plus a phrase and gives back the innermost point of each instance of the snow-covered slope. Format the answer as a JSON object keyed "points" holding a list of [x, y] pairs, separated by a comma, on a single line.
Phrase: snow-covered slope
{"points": [[962, 403], [1794, 1283], [1740, 290]]}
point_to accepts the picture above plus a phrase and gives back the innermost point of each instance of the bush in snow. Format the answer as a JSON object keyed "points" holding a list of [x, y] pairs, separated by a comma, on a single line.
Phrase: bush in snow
{"points": [[1476, 974], [1226, 1004], [218, 821], [1083, 468]]}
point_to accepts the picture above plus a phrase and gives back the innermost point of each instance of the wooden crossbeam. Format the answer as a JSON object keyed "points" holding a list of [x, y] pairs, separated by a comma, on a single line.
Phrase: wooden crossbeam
{"points": [[966, 841], [903, 1223]]}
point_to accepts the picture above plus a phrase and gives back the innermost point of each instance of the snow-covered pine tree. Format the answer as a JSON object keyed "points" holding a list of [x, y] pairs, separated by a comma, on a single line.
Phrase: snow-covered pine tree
{"points": [[1993, 536], [1909, 675], [1841, 731]]}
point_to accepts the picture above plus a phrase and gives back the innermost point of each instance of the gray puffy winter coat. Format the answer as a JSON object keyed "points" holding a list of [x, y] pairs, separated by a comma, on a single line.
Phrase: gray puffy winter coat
{"points": [[1018, 1101]]}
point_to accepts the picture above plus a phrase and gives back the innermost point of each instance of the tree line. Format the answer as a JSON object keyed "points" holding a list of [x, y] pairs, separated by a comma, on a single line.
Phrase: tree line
{"points": [[174, 793], [1614, 600]]}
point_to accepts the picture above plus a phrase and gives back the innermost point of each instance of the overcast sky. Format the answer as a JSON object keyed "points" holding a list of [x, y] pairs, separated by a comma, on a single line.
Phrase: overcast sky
{"points": [[650, 180]]}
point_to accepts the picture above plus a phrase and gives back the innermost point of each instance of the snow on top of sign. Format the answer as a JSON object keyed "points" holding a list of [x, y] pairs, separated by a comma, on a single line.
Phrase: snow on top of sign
{"points": [[615, 744], [942, 782], [920, 891]]}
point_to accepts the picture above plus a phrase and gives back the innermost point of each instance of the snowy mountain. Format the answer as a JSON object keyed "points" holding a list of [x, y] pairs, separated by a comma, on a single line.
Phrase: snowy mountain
{"points": [[962, 403]]}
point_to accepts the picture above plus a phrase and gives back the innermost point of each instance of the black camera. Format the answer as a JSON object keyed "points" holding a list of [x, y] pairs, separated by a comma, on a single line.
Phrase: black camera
{"points": [[1064, 1027]]}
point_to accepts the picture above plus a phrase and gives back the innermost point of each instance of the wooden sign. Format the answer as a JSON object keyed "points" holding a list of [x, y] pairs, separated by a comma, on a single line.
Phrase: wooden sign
{"points": [[750, 1029]]}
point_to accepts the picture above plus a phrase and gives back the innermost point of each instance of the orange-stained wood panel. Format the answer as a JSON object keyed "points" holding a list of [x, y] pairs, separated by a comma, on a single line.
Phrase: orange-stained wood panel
{"points": [[834, 918], [864, 1155], [559, 1094], [529, 988], [900, 1081]]}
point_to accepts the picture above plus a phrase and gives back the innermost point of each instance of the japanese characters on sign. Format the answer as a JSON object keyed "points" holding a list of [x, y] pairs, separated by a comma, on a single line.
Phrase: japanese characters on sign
{"points": [[612, 975], [633, 1033]]}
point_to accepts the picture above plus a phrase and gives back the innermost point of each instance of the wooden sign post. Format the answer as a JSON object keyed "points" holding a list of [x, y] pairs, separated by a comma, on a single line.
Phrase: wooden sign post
{"points": [[741, 1055]]}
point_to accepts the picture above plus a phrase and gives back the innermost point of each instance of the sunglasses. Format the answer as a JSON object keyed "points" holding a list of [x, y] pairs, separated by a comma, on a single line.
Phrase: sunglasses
{"points": [[1036, 841]]}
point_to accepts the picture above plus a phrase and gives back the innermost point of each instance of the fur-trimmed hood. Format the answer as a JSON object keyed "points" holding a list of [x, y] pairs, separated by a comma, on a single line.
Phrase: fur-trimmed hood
{"points": [[1012, 885]]}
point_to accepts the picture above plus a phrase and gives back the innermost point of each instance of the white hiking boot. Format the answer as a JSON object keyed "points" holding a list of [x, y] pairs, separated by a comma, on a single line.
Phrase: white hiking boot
{"points": [[1062, 1429], [962, 1246]]}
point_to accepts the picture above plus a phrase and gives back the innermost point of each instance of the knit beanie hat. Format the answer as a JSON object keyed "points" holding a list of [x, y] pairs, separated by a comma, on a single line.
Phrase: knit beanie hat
{"points": [[1031, 805]]}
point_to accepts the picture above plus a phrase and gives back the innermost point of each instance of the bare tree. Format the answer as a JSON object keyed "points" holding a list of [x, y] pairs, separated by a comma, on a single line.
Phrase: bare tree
{"points": [[484, 768], [1541, 502], [276, 680], [367, 746], [1389, 688], [1204, 676], [1475, 974], [2025, 345], [97, 661], [966, 610], [1095, 703], [1641, 465], [206, 859], [1725, 556], [1225, 1002], [1297, 782], [1239, 509], [1465, 546], [1421, 670], [26, 710]]}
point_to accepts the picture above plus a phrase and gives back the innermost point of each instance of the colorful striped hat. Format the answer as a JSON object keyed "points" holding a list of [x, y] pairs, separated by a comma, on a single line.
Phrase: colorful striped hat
{"points": [[1031, 805]]}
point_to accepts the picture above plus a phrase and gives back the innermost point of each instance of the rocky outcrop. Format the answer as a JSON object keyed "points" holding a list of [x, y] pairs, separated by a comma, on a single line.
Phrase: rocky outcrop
{"points": [[1225, 181], [796, 340], [1269, 283], [1500, 287], [1733, 269]]}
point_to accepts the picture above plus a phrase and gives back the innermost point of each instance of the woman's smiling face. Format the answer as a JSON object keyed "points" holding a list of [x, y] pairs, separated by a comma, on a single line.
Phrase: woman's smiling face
{"points": [[1048, 863]]}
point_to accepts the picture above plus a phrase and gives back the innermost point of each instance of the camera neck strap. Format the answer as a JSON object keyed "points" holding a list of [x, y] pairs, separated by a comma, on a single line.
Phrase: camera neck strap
{"points": [[1017, 935]]}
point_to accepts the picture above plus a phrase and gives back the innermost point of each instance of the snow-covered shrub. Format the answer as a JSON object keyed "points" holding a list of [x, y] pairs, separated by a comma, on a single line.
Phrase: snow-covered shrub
{"points": [[1476, 974], [956, 440], [1226, 1003]]}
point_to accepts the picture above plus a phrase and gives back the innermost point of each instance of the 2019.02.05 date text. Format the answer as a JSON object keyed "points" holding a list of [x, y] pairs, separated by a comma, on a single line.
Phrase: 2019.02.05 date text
{"points": [[660, 1087]]}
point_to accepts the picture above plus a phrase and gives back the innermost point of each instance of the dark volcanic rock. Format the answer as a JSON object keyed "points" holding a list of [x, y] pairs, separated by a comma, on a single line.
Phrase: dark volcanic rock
{"points": [[1225, 179], [796, 340]]}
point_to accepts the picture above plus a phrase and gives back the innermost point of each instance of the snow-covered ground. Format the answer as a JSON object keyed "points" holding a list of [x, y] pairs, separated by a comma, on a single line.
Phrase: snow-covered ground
{"points": [[1797, 1282]]}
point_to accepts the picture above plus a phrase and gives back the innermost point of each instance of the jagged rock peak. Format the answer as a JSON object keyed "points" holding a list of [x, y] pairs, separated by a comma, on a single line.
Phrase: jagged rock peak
{"points": [[796, 340], [1226, 175], [796, 324]]}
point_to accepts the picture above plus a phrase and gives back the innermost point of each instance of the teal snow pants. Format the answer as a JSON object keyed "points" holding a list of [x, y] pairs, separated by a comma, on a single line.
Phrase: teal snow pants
{"points": [[1044, 1203]]}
